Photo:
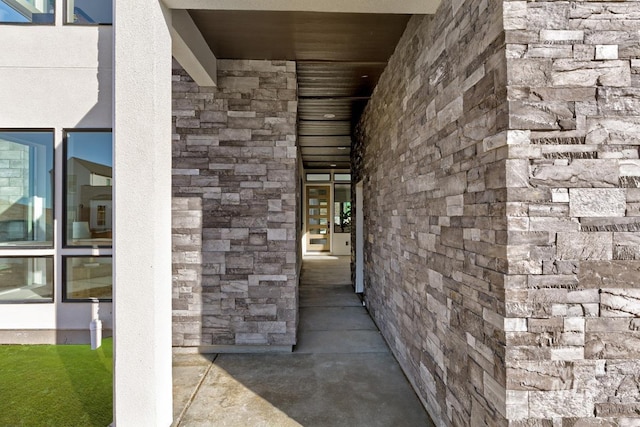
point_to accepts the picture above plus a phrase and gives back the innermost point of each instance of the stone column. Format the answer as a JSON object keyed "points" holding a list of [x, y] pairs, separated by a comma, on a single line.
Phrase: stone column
{"points": [[235, 183], [142, 246]]}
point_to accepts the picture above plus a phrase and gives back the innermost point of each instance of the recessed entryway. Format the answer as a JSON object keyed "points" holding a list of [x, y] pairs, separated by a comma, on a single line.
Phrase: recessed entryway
{"points": [[326, 213], [318, 212]]}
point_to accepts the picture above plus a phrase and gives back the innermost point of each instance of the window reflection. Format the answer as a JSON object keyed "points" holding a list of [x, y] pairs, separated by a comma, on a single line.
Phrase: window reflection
{"points": [[26, 279], [89, 176], [88, 277], [89, 12], [342, 177], [318, 177], [342, 208], [26, 188], [27, 11]]}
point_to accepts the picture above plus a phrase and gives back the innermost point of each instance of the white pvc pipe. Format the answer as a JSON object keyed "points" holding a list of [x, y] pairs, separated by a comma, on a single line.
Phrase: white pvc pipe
{"points": [[95, 326], [96, 334]]}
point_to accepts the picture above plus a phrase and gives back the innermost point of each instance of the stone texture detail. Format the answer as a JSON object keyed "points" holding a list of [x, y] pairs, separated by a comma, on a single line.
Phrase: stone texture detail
{"points": [[582, 306], [597, 202], [435, 203], [235, 186], [501, 259], [187, 270]]}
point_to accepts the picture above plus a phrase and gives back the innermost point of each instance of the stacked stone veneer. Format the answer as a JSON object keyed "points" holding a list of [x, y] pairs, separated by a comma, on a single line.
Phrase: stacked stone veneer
{"points": [[235, 183], [499, 156], [572, 296], [434, 204]]}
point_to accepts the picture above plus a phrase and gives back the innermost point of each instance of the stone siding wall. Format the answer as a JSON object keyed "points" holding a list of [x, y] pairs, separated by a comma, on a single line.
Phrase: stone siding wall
{"points": [[434, 205], [502, 190], [573, 348], [186, 239], [235, 183]]}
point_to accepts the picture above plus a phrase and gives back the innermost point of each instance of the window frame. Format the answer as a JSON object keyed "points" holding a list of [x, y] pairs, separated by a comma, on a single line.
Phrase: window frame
{"points": [[338, 175], [52, 284], [63, 267], [51, 246], [56, 251], [320, 177], [344, 184], [65, 135], [65, 9], [51, 24]]}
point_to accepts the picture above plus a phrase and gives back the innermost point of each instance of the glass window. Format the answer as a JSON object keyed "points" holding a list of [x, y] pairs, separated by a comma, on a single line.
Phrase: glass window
{"points": [[89, 12], [88, 191], [318, 177], [26, 279], [343, 177], [342, 208], [27, 11], [26, 188], [88, 278]]}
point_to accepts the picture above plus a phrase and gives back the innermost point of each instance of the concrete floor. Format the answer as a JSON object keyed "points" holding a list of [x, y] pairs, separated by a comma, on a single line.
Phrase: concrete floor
{"points": [[341, 373]]}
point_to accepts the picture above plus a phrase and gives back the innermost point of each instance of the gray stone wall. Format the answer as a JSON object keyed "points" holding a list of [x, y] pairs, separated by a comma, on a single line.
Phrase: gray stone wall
{"points": [[186, 223], [502, 220], [235, 183], [434, 203], [573, 175]]}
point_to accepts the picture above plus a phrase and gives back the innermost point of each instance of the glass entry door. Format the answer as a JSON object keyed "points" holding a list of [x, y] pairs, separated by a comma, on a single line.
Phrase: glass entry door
{"points": [[318, 218]]}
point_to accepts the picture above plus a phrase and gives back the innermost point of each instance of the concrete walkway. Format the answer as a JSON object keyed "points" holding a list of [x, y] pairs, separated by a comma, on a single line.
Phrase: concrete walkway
{"points": [[341, 373]]}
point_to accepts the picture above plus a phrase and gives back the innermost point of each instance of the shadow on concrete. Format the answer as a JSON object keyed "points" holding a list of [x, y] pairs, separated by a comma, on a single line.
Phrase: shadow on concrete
{"points": [[341, 373]]}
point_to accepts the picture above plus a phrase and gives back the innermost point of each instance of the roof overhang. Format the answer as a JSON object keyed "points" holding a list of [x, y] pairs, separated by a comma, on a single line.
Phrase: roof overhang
{"points": [[412, 7], [341, 48]]}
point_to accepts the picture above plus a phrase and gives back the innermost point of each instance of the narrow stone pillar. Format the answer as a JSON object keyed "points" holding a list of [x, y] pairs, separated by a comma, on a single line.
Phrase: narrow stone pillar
{"points": [[142, 245]]}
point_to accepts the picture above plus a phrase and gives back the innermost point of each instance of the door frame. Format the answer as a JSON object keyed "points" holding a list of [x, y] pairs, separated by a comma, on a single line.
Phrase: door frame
{"points": [[329, 185], [359, 282]]}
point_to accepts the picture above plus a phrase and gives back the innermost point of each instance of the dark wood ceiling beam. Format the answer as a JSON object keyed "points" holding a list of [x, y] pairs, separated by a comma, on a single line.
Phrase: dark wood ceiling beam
{"points": [[327, 159], [318, 128], [327, 165], [321, 116], [317, 151], [324, 141], [308, 64], [333, 98], [323, 157]]}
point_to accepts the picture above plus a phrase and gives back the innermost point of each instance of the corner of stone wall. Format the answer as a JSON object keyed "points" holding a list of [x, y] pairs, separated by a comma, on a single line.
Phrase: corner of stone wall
{"points": [[186, 234], [572, 295], [235, 186]]}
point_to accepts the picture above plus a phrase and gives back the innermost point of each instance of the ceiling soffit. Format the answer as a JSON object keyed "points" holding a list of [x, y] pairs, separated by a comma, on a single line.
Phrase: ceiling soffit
{"points": [[410, 7], [339, 56]]}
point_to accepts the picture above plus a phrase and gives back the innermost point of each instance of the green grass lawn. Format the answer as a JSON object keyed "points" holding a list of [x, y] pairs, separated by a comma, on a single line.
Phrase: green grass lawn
{"points": [[56, 385]]}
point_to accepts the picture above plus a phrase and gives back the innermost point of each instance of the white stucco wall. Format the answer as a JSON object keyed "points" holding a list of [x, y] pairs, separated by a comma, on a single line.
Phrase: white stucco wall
{"points": [[56, 77], [142, 155]]}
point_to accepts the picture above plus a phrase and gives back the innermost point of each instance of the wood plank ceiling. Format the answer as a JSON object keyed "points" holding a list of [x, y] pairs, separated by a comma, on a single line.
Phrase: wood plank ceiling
{"points": [[340, 57]]}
